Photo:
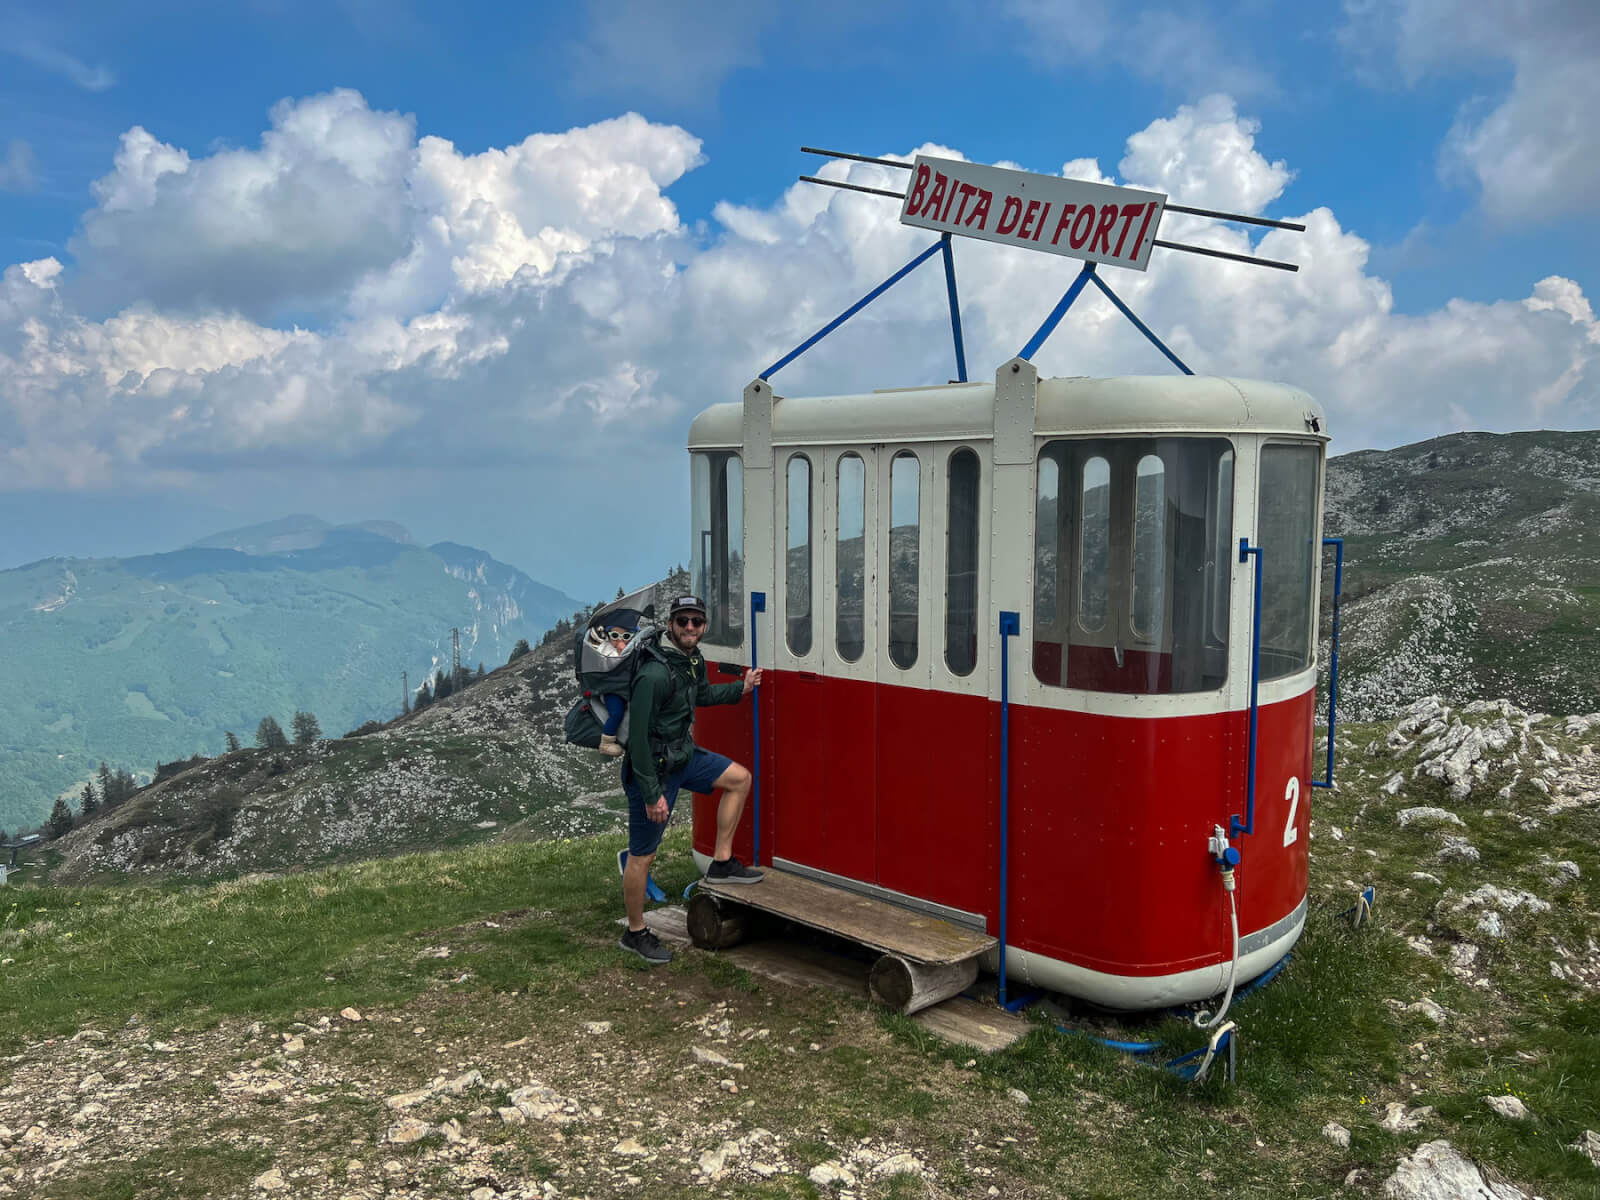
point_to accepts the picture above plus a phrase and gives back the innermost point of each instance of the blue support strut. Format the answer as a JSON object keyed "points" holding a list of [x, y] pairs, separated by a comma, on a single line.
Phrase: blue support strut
{"points": [[1139, 325], [1333, 662], [1059, 311], [1010, 626], [852, 310], [955, 307], [1249, 824], [758, 604]]}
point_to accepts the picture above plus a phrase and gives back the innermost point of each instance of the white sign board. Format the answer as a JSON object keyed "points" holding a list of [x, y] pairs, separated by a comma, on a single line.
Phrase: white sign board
{"points": [[1041, 212]]}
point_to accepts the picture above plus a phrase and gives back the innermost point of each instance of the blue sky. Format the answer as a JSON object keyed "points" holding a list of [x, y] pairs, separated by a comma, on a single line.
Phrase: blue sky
{"points": [[293, 257]]}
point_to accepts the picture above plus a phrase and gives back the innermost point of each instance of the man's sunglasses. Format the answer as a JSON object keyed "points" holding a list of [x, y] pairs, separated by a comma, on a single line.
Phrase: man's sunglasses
{"points": [[688, 622]]}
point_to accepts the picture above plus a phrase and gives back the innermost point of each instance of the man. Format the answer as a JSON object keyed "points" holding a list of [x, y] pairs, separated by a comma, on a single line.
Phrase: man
{"points": [[662, 758]]}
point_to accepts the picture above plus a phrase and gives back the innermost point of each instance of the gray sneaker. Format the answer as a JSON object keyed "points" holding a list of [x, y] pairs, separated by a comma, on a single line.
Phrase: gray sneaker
{"points": [[646, 945], [732, 871]]}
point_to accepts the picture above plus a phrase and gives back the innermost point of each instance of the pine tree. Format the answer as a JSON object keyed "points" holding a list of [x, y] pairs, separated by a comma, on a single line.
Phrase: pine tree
{"points": [[518, 650], [424, 698], [233, 740], [60, 822], [306, 729], [442, 686], [269, 735], [480, 670], [88, 802], [108, 785]]}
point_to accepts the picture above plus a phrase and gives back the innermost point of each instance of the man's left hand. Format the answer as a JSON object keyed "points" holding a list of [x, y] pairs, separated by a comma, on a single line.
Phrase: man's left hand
{"points": [[752, 679]]}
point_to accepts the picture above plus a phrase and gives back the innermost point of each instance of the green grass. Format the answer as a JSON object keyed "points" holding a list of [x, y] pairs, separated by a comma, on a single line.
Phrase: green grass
{"points": [[531, 930]]}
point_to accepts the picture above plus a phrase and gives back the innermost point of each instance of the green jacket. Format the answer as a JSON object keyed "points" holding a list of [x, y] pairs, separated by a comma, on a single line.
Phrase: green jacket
{"points": [[666, 690]]}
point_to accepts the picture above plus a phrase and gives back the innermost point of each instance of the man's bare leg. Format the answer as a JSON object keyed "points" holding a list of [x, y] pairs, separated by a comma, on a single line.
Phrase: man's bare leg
{"points": [[734, 784], [634, 875]]}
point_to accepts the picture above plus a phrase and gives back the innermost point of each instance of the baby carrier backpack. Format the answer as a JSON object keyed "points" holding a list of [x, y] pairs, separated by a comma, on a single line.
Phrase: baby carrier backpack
{"points": [[606, 669]]}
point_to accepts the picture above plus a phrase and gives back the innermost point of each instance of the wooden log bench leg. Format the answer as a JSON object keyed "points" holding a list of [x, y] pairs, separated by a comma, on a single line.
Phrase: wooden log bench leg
{"points": [[714, 925], [908, 986]]}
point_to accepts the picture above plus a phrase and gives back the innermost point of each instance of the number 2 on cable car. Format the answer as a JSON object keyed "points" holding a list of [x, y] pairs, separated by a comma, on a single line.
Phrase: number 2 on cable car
{"points": [[1291, 831]]}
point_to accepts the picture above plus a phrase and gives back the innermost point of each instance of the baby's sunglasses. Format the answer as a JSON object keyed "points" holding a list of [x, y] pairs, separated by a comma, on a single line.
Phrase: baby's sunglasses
{"points": [[617, 635], [689, 622]]}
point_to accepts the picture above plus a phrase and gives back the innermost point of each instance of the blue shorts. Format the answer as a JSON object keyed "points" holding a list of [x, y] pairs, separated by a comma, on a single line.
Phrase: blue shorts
{"points": [[699, 774]]}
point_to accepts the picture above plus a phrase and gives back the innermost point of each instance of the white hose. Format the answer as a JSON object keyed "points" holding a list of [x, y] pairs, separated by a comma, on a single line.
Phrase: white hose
{"points": [[1203, 1019]]}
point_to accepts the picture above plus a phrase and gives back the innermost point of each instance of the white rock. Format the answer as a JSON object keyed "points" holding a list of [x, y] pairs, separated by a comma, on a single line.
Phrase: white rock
{"points": [[629, 1147], [1588, 1144], [1457, 849], [1508, 1106], [88, 1112], [1427, 878], [407, 1099], [899, 1164], [294, 1045], [512, 1116], [1428, 814], [597, 1027], [1337, 1134], [1489, 925], [458, 1085], [350, 1014], [483, 1193], [91, 1081], [269, 1181], [1398, 1118], [1020, 1096], [1394, 783], [1436, 1171], [1428, 1009], [830, 1174], [407, 1130], [709, 1057]]}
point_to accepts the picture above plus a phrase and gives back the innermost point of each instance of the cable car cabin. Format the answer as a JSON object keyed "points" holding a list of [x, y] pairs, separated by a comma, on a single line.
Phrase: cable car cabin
{"points": [[891, 532]]}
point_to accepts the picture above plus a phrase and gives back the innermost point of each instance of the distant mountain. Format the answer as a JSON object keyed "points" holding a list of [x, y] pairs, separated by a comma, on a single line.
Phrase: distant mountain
{"points": [[1472, 571], [146, 659]]}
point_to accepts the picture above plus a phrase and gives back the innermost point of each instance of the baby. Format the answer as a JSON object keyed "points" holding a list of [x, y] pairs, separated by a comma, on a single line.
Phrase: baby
{"points": [[612, 646]]}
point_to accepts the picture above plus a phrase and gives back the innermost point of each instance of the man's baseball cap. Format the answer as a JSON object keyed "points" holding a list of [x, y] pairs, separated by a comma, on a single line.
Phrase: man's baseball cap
{"points": [[687, 604]]}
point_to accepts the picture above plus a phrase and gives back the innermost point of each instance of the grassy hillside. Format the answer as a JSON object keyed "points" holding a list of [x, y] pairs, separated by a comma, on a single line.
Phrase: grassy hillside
{"points": [[1473, 566], [135, 661], [435, 1024]]}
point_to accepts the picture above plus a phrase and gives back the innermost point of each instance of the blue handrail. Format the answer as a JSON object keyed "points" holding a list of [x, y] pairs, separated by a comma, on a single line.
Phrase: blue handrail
{"points": [[1249, 823], [1333, 662], [1010, 626], [758, 604]]}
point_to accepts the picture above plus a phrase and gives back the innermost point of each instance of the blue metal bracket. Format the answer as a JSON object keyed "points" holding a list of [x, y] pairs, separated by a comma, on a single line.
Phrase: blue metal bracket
{"points": [[652, 889], [758, 604], [1236, 827], [1138, 324], [855, 308], [1059, 311], [1333, 662], [1010, 627], [955, 307]]}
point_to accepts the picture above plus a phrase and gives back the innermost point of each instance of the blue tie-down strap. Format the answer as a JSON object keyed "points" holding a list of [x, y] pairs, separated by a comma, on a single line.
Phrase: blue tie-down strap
{"points": [[651, 887], [1362, 908]]}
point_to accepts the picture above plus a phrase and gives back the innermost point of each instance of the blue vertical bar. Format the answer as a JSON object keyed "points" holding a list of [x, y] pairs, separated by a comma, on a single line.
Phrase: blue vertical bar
{"points": [[955, 307], [758, 604], [1249, 825], [1057, 313], [1333, 665], [1010, 626]]}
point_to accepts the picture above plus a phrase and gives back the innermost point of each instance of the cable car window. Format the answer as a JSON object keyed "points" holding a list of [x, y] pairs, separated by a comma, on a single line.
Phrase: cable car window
{"points": [[1285, 525], [1143, 526], [716, 558], [850, 546], [1094, 545], [961, 566], [797, 560], [1219, 565], [1150, 549], [905, 558], [1046, 543]]}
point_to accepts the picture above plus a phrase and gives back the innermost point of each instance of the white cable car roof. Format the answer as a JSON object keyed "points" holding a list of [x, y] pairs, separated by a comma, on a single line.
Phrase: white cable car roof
{"points": [[1149, 405]]}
